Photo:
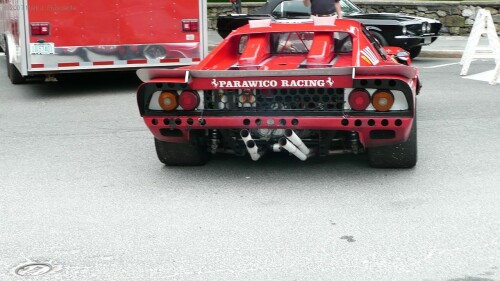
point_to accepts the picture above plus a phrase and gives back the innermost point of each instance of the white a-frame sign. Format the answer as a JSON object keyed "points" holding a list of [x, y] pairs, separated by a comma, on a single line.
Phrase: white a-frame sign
{"points": [[482, 24]]}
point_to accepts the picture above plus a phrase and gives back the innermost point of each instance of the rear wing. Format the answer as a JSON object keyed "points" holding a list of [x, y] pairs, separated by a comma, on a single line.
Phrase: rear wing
{"points": [[390, 70]]}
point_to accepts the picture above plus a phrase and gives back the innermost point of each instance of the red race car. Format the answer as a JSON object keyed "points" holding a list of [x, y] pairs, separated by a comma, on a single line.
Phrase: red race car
{"points": [[315, 87]]}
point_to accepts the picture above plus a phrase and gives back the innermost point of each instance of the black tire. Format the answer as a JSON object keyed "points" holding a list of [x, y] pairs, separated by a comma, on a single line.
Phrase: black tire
{"points": [[14, 74], [415, 51], [403, 155], [182, 154], [380, 38]]}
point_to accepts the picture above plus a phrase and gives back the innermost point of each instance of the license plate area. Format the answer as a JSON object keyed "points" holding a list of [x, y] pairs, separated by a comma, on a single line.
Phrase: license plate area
{"points": [[42, 48]]}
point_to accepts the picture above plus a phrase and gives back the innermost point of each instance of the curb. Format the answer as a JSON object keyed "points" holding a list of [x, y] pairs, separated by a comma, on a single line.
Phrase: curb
{"points": [[441, 54]]}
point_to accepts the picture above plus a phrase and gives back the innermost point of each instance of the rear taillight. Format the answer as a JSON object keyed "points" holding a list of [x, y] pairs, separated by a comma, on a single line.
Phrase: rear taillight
{"points": [[359, 99], [190, 25], [168, 100], [40, 28], [382, 100], [189, 100]]}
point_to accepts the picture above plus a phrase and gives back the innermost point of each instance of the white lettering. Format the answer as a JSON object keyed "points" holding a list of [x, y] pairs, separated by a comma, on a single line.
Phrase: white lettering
{"points": [[299, 83]]}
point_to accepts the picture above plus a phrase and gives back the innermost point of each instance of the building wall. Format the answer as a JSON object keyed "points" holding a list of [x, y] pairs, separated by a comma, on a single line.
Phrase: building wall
{"points": [[457, 17]]}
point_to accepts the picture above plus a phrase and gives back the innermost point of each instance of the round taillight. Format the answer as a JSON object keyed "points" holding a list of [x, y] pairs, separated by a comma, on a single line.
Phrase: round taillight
{"points": [[189, 100], [382, 100], [168, 100], [359, 99]]}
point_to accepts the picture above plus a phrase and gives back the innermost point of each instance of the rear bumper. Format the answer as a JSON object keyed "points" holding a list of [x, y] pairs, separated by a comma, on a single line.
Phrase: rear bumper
{"points": [[373, 131], [111, 57]]}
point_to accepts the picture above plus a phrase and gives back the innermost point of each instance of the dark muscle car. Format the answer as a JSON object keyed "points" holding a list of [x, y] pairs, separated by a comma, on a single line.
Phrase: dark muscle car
{"points": [[390, 29]]}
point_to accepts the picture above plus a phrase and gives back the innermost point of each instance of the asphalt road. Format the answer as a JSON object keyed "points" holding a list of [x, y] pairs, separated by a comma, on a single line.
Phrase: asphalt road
{"points": [[83, 196]]}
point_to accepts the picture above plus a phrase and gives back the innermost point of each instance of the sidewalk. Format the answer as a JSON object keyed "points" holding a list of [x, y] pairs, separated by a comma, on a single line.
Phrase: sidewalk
{"points": [[443, 47], [449, 47]]}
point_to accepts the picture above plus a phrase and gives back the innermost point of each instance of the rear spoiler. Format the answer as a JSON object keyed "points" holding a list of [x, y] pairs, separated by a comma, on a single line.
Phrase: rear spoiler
{"points": [[147, 74]]}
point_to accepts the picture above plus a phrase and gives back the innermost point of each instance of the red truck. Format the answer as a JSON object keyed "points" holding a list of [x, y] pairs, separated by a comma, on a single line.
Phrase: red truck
{"points": [[60, 36], [314, 87]]}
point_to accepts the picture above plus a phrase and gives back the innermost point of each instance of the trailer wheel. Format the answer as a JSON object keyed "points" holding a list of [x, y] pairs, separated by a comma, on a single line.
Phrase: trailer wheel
{"points": [[379, 37], [182, 154], [403, 155], [14, 74]]}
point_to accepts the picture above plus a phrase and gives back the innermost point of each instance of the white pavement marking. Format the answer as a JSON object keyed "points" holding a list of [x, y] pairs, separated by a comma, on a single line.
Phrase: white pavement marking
{"points": [[441, 65], [483, 76]]}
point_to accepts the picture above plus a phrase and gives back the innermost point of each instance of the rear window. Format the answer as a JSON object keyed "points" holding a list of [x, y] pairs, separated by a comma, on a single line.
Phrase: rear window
{"points": [[300, 42], [291, 42]]}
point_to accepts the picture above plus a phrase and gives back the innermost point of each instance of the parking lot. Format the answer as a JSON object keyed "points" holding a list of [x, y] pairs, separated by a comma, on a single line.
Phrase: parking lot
{"points": [[85, 198]]}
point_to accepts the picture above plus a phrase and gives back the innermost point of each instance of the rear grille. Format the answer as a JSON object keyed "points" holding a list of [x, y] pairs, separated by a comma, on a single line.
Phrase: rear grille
{"points": [[272, 100]]}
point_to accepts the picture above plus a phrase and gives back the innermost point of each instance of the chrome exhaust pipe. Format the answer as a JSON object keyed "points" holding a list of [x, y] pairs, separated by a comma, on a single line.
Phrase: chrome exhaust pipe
{"points": [[277, 147], [286, 144], [250, 144], [245, 135], [293, 138], [253, 150]]}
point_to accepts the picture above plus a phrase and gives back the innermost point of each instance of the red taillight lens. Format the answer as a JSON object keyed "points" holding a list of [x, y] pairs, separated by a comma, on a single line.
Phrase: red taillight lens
{"points": [[383, 100], [189, 25], [40, 28], [189, 100], [168, 100], [359, 99]]}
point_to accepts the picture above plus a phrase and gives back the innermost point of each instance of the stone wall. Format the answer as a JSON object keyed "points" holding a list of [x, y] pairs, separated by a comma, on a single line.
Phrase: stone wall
{"points": [[457, 17]]}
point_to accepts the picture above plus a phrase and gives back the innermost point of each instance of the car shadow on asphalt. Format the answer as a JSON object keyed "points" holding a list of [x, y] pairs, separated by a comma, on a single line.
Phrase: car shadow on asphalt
{"points": [[83, 84], [338, 171]]}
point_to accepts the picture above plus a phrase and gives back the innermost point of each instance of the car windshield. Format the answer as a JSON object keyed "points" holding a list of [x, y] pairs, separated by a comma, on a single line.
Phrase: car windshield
{"points": [[300, 42], [296, 9], [291, 42]]}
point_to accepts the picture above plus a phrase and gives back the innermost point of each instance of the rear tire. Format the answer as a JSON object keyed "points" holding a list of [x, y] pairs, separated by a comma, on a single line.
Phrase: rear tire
{"points": [[182, 154], [402, 155], [414, 52], [379, 37], [14, 74]]}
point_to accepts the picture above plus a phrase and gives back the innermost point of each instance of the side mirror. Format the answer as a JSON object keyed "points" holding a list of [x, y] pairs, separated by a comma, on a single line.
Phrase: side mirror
{"points": [[403, 57]]}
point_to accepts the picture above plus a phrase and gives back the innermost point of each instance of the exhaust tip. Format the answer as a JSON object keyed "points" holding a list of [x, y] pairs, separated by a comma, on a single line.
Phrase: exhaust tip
{"points": [[282, 141], [244, 133], [288, 133], [251, 144]]}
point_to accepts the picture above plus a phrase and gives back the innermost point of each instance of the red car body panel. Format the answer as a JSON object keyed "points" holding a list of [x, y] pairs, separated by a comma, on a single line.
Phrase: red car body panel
{"points": [[245, 60]]}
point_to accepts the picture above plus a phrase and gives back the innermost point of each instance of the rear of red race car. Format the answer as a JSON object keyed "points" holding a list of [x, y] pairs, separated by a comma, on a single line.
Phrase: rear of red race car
{"points": [[308, 89]]}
